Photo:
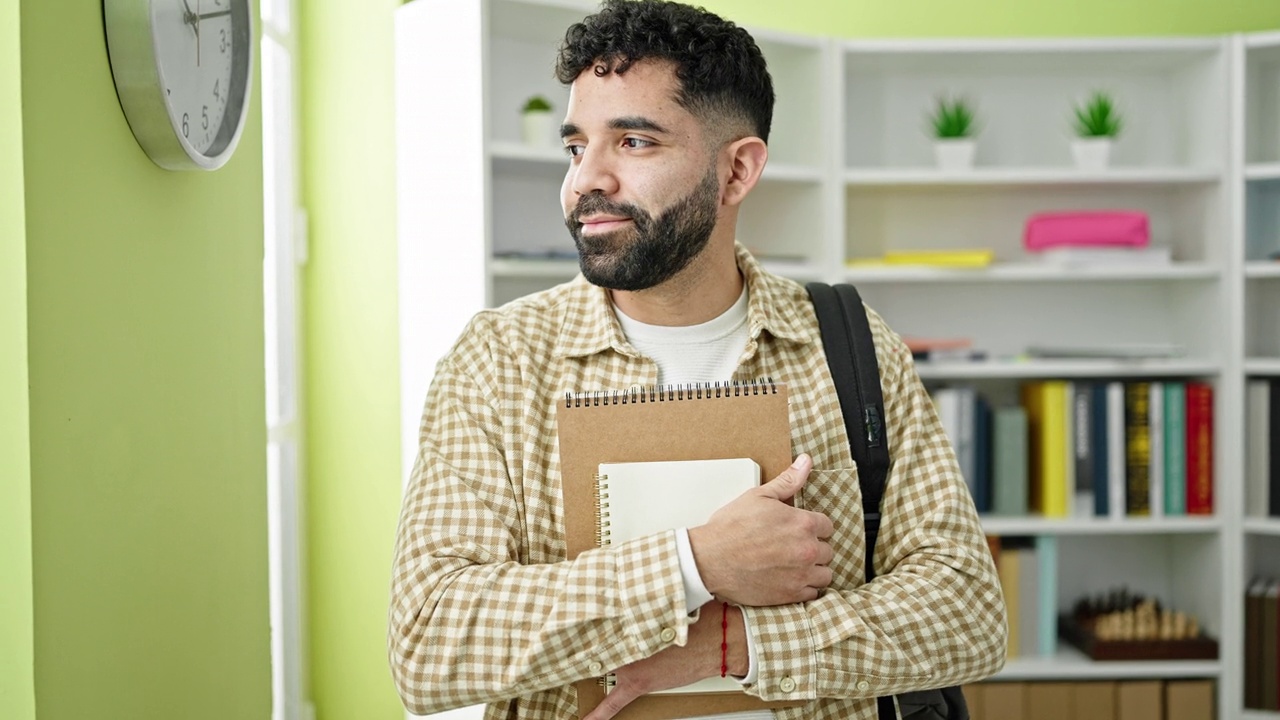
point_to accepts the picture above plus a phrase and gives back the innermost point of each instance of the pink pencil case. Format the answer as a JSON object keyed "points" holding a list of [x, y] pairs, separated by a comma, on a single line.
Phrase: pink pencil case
{"points": [[1111, 228]]}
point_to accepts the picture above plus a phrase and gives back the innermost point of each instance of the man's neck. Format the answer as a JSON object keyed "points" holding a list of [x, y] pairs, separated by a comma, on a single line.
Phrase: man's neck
{"points": [[705, 289]]}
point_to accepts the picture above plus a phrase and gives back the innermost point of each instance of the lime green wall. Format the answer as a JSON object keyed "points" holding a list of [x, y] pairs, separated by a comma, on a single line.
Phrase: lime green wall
{"points": [[352, 388], [148, 460], [351, 351], [17, 670], [999, 18]]}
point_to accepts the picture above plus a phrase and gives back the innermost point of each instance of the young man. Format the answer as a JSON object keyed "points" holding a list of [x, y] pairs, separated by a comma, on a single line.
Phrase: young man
{"points": [[666, 132]]}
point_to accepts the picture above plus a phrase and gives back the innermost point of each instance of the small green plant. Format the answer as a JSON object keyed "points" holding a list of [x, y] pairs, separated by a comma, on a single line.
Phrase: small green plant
{"points": [[953, 118], [1097, 117], [536, 103]]}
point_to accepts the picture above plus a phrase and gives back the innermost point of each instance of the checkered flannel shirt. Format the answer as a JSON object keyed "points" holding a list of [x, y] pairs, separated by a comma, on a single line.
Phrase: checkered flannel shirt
{"points": [[486, 609]]}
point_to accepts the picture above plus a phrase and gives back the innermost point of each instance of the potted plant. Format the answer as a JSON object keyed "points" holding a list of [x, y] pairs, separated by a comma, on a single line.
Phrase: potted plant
{"points": [[953, 133], [1097, 123], [536, 123]]}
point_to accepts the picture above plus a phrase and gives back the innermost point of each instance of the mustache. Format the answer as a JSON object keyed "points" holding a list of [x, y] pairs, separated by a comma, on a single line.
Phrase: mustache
{"points": [[595, 203]]}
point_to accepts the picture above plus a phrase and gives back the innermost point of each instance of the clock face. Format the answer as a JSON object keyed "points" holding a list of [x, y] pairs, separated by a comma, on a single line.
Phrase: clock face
{"points": [[182, 70], [195, 45]]}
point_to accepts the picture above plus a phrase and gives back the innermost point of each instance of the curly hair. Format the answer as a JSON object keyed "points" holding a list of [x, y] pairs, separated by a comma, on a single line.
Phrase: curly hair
{"points": [[720, 70]]}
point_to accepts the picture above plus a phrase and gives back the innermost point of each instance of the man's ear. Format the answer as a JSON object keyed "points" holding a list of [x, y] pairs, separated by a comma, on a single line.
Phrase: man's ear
{"points": [[746, 159]]}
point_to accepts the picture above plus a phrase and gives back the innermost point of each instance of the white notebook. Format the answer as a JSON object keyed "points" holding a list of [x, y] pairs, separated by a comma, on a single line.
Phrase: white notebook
{"points": [[642, 498]]}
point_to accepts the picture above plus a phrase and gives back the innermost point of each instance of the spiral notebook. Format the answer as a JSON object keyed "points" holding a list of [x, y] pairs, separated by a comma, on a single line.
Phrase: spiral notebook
{"points": [[690, 422], [703, 487]]}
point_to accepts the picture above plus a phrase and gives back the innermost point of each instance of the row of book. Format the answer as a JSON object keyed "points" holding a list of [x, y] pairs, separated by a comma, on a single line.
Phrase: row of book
{"points": [[1085, 448], [1028, 570], [1262, 439], [1262, 644], [1191, 699]]}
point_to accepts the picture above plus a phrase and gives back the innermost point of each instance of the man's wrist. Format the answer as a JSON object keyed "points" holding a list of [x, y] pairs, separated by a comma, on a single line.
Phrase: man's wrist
{"points": [[736, 656]]}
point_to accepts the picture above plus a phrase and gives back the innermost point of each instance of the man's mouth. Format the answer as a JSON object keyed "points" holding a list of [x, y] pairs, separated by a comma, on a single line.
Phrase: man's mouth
{"points": [[603, 223]]}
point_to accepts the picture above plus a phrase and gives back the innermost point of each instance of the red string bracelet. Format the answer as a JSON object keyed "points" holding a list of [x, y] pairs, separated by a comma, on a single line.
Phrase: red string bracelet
{"points": [[724, 639]]}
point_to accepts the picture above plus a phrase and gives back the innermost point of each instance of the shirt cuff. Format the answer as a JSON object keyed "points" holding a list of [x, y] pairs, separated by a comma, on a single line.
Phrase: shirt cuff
{"points": [[695, 592], [752, 669]]}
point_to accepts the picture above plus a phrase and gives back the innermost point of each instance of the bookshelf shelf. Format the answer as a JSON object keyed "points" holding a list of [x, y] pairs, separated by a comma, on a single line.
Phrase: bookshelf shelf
{"points": [[1259, 270], [1262, 171], [1259, 715], [1000, 177], [1031, 369], [1262, 366], [1031, 272], [1069, 663], [1100, 526], [1262, 526], [519, 152]]}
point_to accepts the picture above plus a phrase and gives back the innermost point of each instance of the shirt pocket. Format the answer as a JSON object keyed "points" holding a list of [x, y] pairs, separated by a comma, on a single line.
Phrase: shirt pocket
{"points": [[835, 492]]}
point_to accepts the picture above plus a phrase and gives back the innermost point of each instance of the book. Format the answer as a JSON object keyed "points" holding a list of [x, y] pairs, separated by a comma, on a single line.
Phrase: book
{"points": [[634, 500], [1273, 449], [1155, 433], [941, 258], [1175, 448], [1199, 423], [1137, 436], [1047, 428], [1009, 465], [1106, 256], [662, 423], [1115, 449], [1258, 451], [1117, 351]]}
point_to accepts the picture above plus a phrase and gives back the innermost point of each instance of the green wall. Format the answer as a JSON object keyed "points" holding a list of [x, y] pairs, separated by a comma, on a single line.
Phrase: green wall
{"points": [[351, 347], [1001, 18], [17, 671], [351, 353], [147, 429]]}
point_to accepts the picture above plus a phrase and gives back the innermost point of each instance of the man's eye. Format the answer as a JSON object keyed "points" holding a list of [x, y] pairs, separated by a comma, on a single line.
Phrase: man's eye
{"points": [[573, 150], [636, 143]]}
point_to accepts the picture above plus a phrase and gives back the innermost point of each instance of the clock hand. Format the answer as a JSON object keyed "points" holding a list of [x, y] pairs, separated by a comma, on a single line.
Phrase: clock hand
{"points": [[197, 32], [188, 17]]}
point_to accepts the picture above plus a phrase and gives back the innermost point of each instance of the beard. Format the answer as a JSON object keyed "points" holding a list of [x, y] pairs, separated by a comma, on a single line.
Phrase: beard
{"points": [[652, 250]]}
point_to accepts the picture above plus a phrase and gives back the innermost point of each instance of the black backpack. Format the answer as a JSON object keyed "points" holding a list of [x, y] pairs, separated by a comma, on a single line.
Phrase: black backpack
{"points": [[851, 355]]}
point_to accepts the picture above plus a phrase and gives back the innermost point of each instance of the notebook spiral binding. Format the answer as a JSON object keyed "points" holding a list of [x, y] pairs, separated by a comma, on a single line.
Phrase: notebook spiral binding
{"points": [[671, 393], [604, 533]]}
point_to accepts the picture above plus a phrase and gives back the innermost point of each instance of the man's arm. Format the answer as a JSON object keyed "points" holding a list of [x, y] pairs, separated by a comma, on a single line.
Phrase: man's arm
{"points": [[933, 616], [470, 620]]}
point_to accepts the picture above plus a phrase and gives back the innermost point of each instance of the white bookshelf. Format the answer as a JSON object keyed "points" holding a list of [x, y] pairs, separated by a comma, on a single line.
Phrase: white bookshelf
{"points": [[851, 176]]}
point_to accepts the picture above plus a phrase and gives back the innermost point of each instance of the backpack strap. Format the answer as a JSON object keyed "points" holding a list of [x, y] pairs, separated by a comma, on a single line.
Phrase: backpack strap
{"points": [[851, 355]]}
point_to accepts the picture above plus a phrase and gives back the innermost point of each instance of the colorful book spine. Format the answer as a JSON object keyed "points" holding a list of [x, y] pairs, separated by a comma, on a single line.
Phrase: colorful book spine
{"points": [[1175, 448], [1137, 468], [1199, 444]]}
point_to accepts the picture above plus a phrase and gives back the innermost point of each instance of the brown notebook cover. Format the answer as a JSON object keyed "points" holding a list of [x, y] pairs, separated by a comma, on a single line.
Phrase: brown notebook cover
{"points": [[1140, 700], [1050, 701], [701, 422], [1094, 700], [1189, 700]]}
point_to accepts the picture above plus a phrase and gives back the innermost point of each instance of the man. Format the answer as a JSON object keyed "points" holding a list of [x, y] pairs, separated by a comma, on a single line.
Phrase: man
{"points": [[666, 131]]}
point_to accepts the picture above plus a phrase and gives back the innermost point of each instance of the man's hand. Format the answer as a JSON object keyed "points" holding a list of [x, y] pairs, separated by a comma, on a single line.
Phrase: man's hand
{"points": [[760, 551], [677, 666]]}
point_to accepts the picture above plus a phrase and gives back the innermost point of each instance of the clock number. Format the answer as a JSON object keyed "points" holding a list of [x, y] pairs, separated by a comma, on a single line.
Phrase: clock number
{"points": [[204, 117], [222, 44], [217, 93], [185, 128]]}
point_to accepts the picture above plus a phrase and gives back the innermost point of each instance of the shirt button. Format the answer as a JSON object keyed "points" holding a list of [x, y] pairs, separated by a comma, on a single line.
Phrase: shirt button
{"points": [[787, 685], [668, 635], [594, 668], [864, 685]]}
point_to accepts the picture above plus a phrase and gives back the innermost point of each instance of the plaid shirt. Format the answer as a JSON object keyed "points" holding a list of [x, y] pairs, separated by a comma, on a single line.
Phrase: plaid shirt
{"points": [[485, 608]]}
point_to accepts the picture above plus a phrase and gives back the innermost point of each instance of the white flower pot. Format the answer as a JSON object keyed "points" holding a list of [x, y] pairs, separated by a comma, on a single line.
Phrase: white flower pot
{"points": [[953, 155], [1091, 153], [536, 128]]}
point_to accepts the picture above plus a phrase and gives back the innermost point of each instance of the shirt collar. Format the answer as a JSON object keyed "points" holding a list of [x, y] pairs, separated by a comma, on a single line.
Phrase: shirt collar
{"points": [[773, 304]]}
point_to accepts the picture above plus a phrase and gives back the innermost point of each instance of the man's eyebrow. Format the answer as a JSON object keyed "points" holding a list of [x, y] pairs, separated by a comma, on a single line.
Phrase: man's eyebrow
{"points": [[629, 122], [636, 122]]}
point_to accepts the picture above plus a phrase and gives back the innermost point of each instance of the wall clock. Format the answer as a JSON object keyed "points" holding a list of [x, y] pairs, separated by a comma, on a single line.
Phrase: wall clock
{"points": [[182, 70]]}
